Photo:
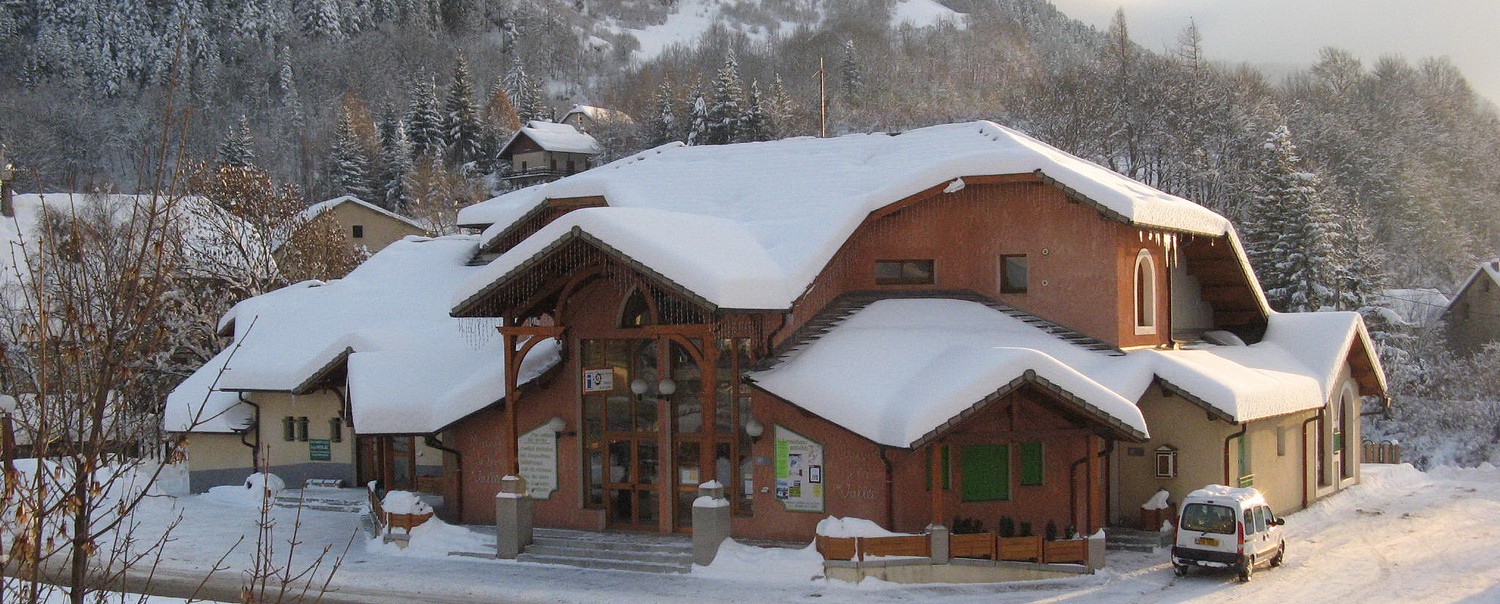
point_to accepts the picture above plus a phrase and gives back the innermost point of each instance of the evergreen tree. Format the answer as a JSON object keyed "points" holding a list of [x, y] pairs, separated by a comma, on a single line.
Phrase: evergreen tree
{"points": [[662, 128], [851, 75], [235, 151], [698, 120], [1293, 231], [723, 122], [424, 126], [396, 163], [462, 123], [780, 111], [753, 126], [286, 88], [322, 19], [534, 106], [348, 168]]}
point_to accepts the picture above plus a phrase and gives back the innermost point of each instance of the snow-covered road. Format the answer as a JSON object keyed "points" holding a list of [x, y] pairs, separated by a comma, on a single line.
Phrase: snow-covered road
{"points": [[1402, 536]]}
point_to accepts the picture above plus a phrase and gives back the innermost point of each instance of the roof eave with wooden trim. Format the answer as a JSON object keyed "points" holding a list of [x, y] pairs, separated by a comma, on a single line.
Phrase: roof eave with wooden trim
{"points": [[467, 308]]}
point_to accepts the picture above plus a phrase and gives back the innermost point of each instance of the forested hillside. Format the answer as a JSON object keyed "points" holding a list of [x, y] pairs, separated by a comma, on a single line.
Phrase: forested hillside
{"points": [[1344, 178]]}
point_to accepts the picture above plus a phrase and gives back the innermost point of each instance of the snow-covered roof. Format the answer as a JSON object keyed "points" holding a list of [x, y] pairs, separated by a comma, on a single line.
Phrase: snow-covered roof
{"points": [[558, 138], [789, 205], [411, 365], [195, 406], [317, 209], [1486, 270], [202, 224], [504, 210], [898, 370], [600, 114]]}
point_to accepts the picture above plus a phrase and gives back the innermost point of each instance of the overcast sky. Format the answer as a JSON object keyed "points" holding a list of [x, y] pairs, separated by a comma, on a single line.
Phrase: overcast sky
{"points": [[1283, 33]]}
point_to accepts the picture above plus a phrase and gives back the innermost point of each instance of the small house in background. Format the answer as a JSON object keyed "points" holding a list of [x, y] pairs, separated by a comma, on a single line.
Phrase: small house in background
{"points": [[543, 152], [586, 117], [363, 223], [1473, 316]]}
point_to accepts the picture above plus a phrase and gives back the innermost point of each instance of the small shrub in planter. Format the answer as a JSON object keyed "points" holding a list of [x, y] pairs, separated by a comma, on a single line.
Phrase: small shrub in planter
{"points": [[1051, 531], [1007, 526]]}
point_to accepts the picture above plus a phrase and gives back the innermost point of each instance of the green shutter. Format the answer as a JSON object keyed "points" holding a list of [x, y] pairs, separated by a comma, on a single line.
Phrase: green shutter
{"points": [[986, 472], [947, 477], [1031, 464]]}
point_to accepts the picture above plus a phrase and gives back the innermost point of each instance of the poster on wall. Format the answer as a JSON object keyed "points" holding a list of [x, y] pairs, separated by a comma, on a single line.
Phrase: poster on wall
{"points": [[538, 457], [598, 380], [799, 472]]}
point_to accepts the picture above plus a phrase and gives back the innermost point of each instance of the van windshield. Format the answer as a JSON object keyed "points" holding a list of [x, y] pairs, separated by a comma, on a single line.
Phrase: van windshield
{"points": [[1208, 518]]}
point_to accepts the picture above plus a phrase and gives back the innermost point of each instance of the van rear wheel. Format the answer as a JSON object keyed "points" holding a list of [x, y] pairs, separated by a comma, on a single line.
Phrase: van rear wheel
{"points": [[1180, 569], [1247, 570]]}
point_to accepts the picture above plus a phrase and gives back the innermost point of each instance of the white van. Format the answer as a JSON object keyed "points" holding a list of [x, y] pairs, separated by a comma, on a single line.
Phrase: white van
{"points": [[1224, 527]]}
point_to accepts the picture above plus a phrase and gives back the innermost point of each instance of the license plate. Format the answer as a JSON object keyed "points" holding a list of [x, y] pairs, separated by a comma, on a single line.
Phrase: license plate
{"points": [[1209, 541]]}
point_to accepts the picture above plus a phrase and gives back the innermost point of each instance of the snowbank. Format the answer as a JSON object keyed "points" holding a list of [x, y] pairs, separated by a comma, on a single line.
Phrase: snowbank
{"points": [[404, 502], [747, 562], [257, 490], [436, 539], [833, 526]]}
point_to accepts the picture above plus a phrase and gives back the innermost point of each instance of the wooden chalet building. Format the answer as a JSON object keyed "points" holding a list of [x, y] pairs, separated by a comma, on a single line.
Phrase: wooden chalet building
{"points": [[1473, 316], [952, 322], [545, 151]]}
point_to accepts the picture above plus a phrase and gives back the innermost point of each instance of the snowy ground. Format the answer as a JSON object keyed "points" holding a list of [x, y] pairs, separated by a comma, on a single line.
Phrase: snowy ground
{"points": [[1403, 535]]}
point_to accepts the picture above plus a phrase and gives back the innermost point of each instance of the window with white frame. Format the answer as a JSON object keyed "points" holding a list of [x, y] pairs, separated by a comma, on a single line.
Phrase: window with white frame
{"points": [[1166, 462], [1145, 293]]}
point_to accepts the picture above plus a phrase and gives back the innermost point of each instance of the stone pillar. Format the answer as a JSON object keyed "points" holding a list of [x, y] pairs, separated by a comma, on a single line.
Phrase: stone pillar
{"points": [[1097, 551], [710, 522], [512, 518], [937, 536]]}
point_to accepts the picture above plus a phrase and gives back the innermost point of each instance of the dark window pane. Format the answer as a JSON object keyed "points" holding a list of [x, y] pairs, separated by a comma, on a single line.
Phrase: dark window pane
{"points": [[887, 272], [646, 456], [916, 271], [619, 461], [620, 504], [618, 416], [648, 506], [689, 462], [1013, 274]]}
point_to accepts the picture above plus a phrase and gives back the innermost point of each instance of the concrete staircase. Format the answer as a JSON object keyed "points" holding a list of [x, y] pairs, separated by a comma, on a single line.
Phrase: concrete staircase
{"points": [[1135, 540], [651, 553], [323, 499]]}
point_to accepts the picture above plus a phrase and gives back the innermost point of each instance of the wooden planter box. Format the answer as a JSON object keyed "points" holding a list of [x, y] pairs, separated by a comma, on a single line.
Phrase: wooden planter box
{"points": [[1072, 551], [1020, 549], [977, 545], [1151, 519], [405, 521]]}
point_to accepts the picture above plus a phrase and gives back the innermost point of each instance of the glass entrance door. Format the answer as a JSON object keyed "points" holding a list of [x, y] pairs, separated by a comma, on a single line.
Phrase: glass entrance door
{"points": [[622, 432]]}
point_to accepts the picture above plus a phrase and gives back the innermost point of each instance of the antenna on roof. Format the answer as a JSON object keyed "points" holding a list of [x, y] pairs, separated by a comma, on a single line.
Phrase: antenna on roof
{"points": [[822, 102]]}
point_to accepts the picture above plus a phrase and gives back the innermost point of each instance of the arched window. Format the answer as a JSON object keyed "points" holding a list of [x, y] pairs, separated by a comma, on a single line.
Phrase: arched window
{"points": [[637, 310], [1145, 293]]}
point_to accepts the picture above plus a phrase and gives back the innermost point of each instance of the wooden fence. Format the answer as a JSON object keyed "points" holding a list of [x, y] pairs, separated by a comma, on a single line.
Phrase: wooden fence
{"points": [[1381, 452], [986, 546]]}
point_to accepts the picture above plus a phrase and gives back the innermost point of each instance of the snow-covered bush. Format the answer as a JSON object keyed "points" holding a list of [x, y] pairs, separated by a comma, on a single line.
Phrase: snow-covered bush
{"points": [[1445, 410], [404, 502]]}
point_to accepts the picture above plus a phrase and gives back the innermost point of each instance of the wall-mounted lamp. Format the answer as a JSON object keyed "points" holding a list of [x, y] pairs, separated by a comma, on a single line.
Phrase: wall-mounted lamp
{"points": [[557, 424], [754, 428], [640, 386]]}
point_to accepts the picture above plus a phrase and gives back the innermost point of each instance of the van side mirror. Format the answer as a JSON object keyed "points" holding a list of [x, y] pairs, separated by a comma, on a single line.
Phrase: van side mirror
{"points": [[1280, 521]]}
